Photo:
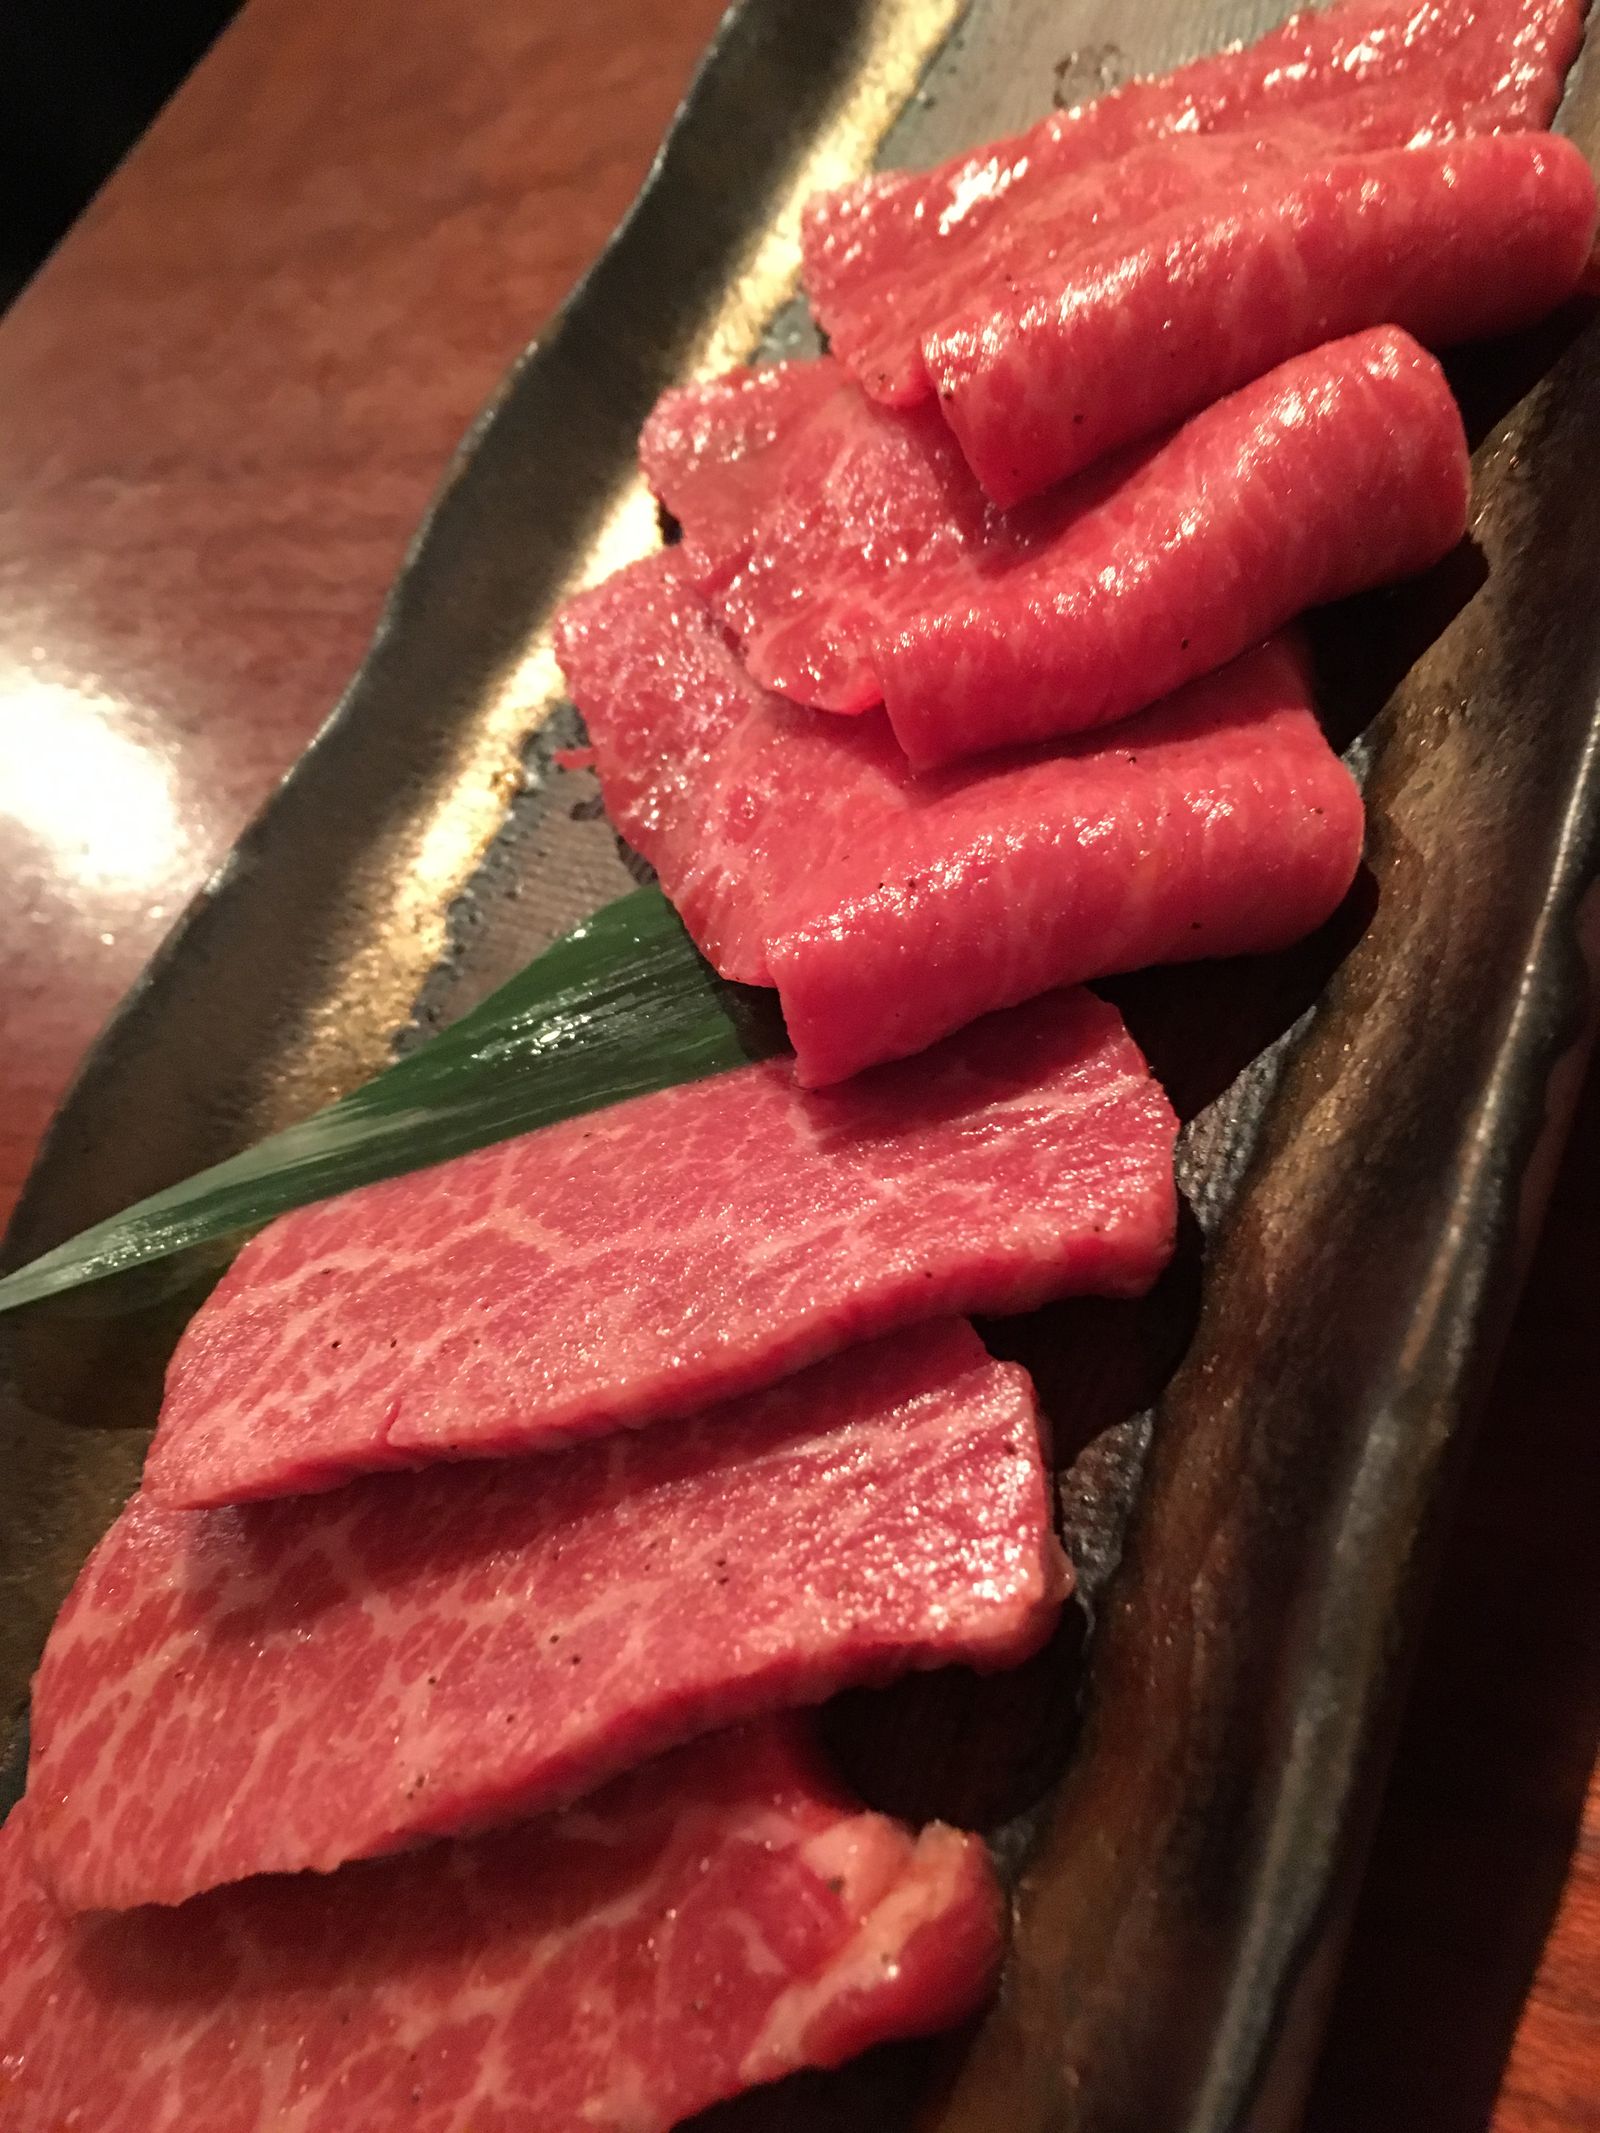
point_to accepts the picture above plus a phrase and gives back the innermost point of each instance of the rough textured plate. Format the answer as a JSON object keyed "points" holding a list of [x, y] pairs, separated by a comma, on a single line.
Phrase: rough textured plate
{"points": [[1362, 1115]]}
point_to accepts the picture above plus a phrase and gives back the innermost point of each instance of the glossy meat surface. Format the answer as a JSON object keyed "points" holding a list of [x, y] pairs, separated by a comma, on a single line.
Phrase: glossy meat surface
{"points": [[811, 518], [1261, 261], [829, 536], [293, 1685], [713, 451], [1341, 469], [888, 908], [891, 259], [708, 1923], [642, 1261]]}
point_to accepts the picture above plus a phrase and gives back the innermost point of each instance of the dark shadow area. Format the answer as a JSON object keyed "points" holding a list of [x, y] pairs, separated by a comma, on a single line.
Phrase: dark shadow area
{"points": [[875, 2091], [1201, 1025], [1095, 1360], [80, 80], [1363, 648], [955, 1746], [982, 1750], [1484, 1805], [1488, 378], [13, 1762]]}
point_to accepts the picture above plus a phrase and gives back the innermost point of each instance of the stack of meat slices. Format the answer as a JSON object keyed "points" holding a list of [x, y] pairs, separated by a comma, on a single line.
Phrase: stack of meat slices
{"points": [[425, 1731], [423, 1742], [963, 680]]}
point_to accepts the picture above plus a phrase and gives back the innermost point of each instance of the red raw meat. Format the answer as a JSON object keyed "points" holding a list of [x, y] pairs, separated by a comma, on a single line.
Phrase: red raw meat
{"points": [[1127, 335], [811, 518], [290, 1685], [1340, 470], [868, 524], [708, 1923], [891, 259], [710, 447], [889, 909], [643, 1261]]}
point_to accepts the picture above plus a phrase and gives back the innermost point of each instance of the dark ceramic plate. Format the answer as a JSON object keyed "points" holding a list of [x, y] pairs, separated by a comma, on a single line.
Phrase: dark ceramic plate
{"points": [[1182, 1795]]}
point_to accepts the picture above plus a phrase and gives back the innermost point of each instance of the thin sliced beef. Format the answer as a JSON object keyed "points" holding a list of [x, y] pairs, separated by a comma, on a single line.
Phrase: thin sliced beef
{"points": [[643, 1261], [862, 529], [811, 518], [1339, 470], [889, 909], [708, 1923], [894, 258], [709, 454], [296, 1684], [1126, 335]]}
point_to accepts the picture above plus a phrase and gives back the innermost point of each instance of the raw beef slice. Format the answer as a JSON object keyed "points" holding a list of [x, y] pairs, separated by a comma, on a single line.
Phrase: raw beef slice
{"points": [[1332, 473], [892, 259], [1070, 358], [889, 909], [297, 1684], [1343, 469], [707, 1923], [639, 1262], [812, 518]]}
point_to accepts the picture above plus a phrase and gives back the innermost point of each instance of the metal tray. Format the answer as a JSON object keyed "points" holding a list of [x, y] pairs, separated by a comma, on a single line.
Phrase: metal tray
{"points": [[1256, 1461]]}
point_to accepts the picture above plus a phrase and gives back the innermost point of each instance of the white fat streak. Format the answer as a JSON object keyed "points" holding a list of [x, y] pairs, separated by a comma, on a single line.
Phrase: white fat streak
{"points": [[871, 1957]]}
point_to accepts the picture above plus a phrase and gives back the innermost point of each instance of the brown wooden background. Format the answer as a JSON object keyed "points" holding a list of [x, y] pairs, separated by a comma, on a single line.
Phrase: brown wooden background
{"points": [[223, 405]]}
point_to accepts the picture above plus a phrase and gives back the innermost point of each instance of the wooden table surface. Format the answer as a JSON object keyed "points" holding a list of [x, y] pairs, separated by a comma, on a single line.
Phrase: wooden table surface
{"points": [[223, 405]]}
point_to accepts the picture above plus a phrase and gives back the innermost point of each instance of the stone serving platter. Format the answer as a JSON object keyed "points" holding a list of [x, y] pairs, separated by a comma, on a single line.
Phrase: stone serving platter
{"points": [[1255, 1463]]}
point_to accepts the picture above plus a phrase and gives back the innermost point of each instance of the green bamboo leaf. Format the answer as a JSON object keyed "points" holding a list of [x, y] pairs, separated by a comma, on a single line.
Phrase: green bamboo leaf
{"points": [[622, 1005]]}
